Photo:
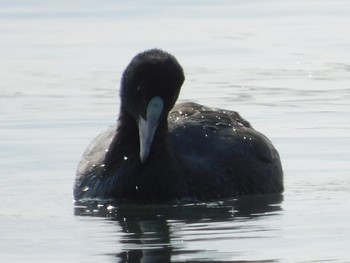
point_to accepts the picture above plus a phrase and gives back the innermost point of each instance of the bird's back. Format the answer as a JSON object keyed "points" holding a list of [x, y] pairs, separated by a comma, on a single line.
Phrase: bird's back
{"points": [[224, 155]]}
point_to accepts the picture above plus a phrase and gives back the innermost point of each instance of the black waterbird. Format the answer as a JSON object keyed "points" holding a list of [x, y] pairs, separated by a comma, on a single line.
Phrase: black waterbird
{"points": [[158, 152]]}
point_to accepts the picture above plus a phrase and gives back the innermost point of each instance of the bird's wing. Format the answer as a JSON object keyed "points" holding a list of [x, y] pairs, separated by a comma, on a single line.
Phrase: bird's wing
{"points": [[222, 148]]}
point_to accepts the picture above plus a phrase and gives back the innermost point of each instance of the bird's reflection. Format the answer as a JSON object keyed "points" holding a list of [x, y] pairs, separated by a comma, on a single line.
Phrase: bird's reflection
{"points": [[149, 232]]}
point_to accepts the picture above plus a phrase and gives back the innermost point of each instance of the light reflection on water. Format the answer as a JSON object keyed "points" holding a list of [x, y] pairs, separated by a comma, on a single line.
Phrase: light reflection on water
{"points": [[163, 232], [283, 66]]}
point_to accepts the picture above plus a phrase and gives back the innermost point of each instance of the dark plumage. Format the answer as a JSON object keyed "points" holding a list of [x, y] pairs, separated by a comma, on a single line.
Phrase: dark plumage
{"points": [[157, 153]]}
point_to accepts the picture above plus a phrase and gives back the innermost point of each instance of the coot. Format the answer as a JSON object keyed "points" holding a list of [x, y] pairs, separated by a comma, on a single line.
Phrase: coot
{"points": [[158, 152]]}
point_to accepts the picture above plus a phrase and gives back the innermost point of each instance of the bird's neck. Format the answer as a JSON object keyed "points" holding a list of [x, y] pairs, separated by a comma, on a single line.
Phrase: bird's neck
{"points": [[128, 137]]}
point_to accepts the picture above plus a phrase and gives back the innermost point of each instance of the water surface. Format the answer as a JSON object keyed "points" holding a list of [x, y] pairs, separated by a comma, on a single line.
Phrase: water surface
{"points": [[283, 65]]}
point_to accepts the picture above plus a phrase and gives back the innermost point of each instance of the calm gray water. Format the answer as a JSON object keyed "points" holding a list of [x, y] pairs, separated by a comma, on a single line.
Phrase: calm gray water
{"points": [[284, 65]]}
